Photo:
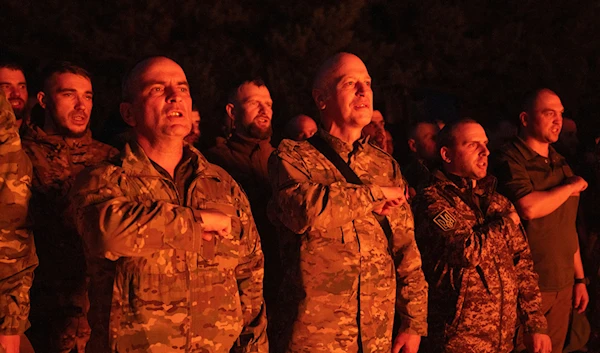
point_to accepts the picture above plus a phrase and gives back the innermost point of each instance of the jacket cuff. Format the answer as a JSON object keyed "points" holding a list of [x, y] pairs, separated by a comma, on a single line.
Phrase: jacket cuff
{"points": [[198, 231]]}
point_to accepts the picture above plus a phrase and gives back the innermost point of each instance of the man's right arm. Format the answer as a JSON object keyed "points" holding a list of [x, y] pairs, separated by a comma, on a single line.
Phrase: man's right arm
{"points": [[114, 225], [309, 204]]}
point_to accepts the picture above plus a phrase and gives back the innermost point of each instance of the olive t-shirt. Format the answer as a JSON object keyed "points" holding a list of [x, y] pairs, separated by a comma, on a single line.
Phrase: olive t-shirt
{"points": [[552, 238]]}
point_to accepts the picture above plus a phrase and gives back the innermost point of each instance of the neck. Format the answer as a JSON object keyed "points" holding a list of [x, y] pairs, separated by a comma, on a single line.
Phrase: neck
{"points": [[166, 154], [348, 134], [541, 148]]}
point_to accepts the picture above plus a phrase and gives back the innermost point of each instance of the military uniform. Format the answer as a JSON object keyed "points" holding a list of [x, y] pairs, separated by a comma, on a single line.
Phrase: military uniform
{"points": [[342, 281], [173, 291], [479, 266], [17, 249], [59, 293]]}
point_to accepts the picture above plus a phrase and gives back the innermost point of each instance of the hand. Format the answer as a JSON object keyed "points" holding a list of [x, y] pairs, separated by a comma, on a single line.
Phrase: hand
{"points": [[577, 183], [514, 216], [537, 343], [406, 343], [83, 334], [215, 222], [580, 297], [10, 343], [392, 192]]}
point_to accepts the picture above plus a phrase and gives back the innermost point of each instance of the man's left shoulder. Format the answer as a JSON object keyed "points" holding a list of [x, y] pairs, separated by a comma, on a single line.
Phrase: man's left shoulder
{"points": [[102, 150]]}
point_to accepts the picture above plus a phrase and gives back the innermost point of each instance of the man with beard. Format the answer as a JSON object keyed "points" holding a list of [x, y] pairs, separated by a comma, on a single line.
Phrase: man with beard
{"points": [[546, 194], [14, 85], [351, 258], [59, 150], [475, 255], [245, 155]]}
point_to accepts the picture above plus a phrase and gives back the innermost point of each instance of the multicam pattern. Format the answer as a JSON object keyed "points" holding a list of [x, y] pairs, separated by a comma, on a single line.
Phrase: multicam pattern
{"points": [[17, 249], [173, 291], [479, 266], [342, 282]]}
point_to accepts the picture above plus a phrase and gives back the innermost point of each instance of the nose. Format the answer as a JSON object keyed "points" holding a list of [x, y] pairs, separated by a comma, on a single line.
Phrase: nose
{"points": [[80, 103], [362, 88], [174, 95], [484, 151], [14, 92]]}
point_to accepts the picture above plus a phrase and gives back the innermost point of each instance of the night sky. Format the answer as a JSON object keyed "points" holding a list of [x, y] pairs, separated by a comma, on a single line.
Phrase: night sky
{"points": [[428, 58]]}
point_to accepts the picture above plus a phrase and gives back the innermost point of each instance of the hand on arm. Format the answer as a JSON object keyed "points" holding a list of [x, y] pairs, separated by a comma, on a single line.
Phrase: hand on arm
{"points": [[215, 222], [394, 196], [406, 343], [581, 297], [541, 203]]}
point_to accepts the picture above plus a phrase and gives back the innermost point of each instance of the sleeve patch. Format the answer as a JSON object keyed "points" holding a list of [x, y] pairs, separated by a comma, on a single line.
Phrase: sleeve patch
{"points": [[445, 221]]}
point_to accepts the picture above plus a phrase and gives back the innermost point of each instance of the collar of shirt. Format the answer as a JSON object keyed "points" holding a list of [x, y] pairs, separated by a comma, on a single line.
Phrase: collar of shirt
{"points": [[247, 145], [530, 154]]}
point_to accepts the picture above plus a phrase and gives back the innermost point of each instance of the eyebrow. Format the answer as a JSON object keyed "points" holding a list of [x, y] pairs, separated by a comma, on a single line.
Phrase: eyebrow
{"points": [[8, 83], [62, 90], [180, 83]]}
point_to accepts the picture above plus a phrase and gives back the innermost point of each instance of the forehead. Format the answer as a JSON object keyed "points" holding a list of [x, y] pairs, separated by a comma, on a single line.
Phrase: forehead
{"points": [[348, 65], [251, 90], [161, 70], [426, 128], [7, 74], [548, 100], [70, 80], [469, 132]]}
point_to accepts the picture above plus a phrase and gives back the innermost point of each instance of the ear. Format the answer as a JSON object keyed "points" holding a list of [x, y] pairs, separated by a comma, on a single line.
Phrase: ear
{"points": [[523, 118], [230, 109], [126, 113], [412, 145], [319, 98], [445, 154], [41, 98]]}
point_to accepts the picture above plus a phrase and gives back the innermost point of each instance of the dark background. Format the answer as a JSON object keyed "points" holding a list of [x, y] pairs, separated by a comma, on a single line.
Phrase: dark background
{"points": [[428, 58]]}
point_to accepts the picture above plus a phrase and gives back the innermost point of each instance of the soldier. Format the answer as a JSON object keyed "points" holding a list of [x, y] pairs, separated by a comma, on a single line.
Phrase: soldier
{"points": [[546, 194], [17, 249], [423, 155], [344, 271], [189, 266], [59, 150], [475, 255], [14, 86], [245, 155]]}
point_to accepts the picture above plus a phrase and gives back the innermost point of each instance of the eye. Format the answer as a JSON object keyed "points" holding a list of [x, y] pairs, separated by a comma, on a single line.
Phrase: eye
{"points": [[184, 89], [368, 83]]}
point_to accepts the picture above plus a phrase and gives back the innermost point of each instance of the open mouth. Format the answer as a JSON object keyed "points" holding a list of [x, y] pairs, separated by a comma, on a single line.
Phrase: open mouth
{"points": [[175, 114]]}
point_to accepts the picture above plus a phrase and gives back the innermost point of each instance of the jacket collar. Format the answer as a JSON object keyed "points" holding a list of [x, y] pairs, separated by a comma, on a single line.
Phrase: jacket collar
{"points": [[246, 145], [484, 186], [30, 131], [530, 154], [340, 146]]}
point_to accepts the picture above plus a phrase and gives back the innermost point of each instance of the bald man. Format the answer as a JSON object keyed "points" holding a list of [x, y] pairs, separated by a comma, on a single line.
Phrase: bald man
{"points": [[347, 275], [189, 265], [300, 127]]}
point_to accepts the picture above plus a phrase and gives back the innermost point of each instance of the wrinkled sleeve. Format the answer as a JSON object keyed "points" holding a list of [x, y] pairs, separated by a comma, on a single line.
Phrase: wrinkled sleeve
{"points": [[311, 205], [411, 287], [460, 245], [17, 249], [250, 274], [113, 224], [529, 297]]}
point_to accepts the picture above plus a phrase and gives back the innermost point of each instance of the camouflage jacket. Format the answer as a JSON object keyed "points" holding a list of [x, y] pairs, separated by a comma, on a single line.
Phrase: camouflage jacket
{"points": [[57, 160], [343, 280], [173, 291], [17, 249], [478, 265]]}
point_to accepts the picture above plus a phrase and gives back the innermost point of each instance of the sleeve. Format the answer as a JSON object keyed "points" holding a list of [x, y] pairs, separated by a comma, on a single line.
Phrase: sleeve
{"points": [[459, 245], [310, 205], [529, 299], [17, 250], [250, 274], [513, 180], [411, 286], [113, 224]]}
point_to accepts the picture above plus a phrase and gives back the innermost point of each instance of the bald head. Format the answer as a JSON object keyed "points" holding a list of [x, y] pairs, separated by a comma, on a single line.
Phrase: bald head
{"points": [[343, 95], [128, 86], [300, 127]]}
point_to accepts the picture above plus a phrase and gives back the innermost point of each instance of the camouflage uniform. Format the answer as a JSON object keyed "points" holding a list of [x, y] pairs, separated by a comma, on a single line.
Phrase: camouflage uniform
{"points": [[479, 266], [59, 294], [17, 249], [173, 291], [341, 278]]}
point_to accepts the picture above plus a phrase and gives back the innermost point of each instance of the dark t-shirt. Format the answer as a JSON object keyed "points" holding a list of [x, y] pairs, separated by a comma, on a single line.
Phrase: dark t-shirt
{"points": [[552, 238]]}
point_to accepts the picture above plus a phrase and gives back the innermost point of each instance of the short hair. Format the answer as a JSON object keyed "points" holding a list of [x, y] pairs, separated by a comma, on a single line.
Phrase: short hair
{"points": [[11, 65], [531, 96], [232, 97], [412, 129], [447, 137], [62, 67]]}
